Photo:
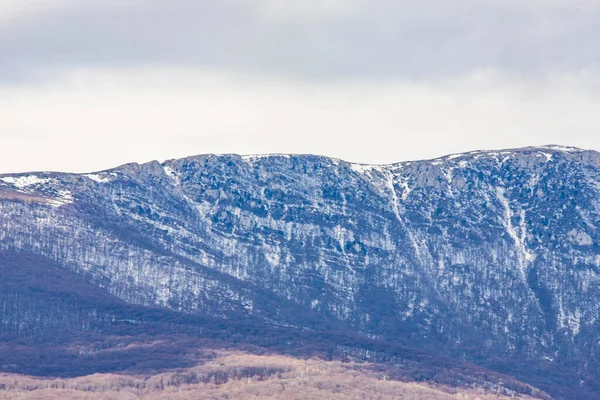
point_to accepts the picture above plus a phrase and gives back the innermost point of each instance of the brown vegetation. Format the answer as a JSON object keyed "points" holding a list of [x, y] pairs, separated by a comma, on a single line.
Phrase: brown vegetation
{"points": [[238, 375], [24, 197]]}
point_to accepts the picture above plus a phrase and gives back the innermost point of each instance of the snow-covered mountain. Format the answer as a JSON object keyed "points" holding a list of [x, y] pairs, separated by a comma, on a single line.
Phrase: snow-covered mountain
{"points": [[490, 256]]}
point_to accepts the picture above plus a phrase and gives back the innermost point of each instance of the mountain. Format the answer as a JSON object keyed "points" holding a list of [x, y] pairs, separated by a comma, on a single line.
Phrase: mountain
{"points": [[488, 257]]}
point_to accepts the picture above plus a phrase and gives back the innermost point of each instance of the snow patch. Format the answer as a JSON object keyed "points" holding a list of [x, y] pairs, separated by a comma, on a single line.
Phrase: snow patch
{"points": [[548, 156], [171, 173], [580, 238], [272, 255], [366, 168], [25, 181], [256, 157], [100, 178], [566, 149], [406, 189], [517, 234], [572, 321], [395, 202], [63, 197]]}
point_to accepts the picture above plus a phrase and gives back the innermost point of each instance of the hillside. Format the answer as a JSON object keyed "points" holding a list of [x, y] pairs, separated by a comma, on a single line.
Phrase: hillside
{"points": [[491, 258], [237, 375]]}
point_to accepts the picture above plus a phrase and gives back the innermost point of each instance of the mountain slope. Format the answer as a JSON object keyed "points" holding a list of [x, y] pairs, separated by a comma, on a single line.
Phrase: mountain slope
{"points": [[492, 257], [55, 323]]}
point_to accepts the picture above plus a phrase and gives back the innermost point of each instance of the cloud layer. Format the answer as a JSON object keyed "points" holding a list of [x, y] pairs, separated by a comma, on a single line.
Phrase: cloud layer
{"points": [[370, 81], [316, 39]]}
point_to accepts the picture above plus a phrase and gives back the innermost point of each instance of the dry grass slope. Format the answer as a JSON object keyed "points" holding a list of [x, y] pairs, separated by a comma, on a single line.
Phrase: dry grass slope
{"points": [[237, 375]]}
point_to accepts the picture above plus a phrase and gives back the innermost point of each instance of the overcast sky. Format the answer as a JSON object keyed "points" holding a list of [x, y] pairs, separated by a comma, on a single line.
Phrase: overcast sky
{"points": [[87, 85]]}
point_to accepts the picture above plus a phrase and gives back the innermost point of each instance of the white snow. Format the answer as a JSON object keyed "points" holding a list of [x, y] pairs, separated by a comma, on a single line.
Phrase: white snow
{"points": [[548, 156], [406, 189], [25, 181], [570, 320], [366, 168], [566, 149], [256, 157], [64, 197], [171, 173], [580, 238], [518, 235], [100, 178], [395, 202]]}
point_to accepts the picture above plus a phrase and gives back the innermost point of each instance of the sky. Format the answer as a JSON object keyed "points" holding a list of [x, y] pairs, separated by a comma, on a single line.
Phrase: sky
{"points": [[88, 85]]}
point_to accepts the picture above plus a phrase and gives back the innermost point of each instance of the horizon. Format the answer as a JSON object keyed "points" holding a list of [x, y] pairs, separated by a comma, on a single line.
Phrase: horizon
{"points": [[551, 147]]}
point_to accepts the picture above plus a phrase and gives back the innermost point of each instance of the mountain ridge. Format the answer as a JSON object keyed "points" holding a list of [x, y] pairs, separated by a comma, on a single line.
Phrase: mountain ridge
{"points": [[552, 147], [490, 256]]}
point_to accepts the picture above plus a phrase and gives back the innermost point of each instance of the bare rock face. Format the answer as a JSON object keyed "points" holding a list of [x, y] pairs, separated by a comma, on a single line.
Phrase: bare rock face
{"points": [[493, 257]]}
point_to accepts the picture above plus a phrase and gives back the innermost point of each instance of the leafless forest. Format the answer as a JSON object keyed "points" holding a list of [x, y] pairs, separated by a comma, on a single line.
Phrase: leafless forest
{"points": [[238, 375]]}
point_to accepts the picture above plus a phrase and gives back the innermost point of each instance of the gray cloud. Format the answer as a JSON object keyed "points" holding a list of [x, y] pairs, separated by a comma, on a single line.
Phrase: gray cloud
{"points": [[87, 84], [326, 39]]}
